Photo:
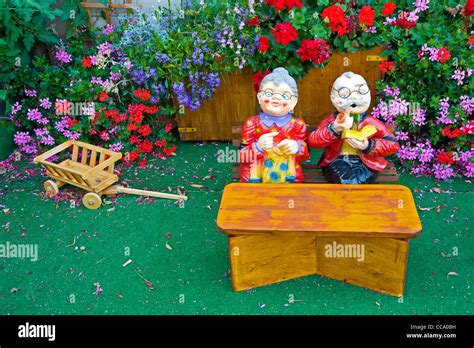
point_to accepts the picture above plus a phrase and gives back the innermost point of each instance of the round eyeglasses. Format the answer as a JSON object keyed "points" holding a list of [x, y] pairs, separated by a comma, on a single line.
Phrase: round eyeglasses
{"points": [[345, 92], [285, 96]]}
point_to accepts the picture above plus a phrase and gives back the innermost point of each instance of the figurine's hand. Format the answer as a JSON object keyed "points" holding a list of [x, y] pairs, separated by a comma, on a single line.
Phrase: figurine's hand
{"points": [[288, 146], [265, 142], [358, 144], [343, 121]]}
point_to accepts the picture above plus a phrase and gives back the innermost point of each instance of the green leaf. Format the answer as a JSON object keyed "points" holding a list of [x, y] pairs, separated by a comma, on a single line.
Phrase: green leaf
{"points": [[29, 40]]}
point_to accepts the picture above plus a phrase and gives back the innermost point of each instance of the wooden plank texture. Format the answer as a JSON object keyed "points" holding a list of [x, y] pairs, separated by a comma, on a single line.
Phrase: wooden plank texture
{"points": [[263, 260], [319, 210], [383, 267]]}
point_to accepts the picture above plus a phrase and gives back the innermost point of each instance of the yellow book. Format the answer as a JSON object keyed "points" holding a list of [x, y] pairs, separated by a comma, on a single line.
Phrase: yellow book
{"points": [[364, 133]]}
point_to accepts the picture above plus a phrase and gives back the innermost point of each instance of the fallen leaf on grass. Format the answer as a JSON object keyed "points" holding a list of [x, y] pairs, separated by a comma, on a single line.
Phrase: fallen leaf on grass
{"points": [[14, 290], [168, 246], [111, 209], [452, 274], [197, 186], [426, 209]]}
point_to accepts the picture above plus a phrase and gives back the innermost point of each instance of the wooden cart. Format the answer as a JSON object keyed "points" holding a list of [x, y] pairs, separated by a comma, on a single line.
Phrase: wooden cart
{"points": [[90, 168]]}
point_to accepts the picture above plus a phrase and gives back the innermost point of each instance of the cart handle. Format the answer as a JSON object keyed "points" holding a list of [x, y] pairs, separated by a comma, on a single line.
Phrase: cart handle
{"points": [[113, 158], [52, 152]]}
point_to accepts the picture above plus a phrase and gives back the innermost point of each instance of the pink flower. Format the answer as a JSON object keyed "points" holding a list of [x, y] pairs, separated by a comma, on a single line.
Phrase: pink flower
{"points": [[45, 103], [108, 29], [30, 92], [63, 57]]}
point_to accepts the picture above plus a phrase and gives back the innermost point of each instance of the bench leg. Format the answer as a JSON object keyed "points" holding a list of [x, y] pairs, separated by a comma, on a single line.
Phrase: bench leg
{"points": [[258, 260], [378, 263]]}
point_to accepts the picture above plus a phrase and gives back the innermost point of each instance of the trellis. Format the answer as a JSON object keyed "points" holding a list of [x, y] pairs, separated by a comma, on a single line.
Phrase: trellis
{"points": [[109, 8]]}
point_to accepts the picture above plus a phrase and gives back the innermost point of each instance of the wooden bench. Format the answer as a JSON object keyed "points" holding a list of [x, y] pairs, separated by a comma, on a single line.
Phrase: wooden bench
{"points": [[358, 234], [311, 172]]}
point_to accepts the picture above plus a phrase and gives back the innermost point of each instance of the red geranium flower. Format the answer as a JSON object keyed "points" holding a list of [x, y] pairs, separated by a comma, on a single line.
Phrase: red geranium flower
{"points": [[145, 146], [471, 40], [337, 19], [168, 152], [86, 62], [160, 143], [443, 54], [284, 4], [254, 22], [142, 94], [388, 8], [445, 158], [403, 22], [71, 122], [103, 97], [168, 127], [257, 79], [366, 15], [144, 130], [316, 50], [134, 139], [386, 66], [263, 44], [142, 163], [469, 8], [284, 33], [132, 156]]}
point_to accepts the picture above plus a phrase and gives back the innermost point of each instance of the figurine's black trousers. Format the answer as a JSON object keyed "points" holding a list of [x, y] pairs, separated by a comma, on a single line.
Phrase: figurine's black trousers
{"points": [[348, 169]]}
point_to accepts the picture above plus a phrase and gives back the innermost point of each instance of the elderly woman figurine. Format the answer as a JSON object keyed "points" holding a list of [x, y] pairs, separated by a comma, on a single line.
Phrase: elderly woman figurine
{"points": [[273, 142], [354, 143]]}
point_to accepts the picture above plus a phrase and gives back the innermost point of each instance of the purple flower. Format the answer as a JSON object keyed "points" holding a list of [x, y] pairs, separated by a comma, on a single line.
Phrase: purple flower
{"points": [[44, 137], [444, 112], [117, 147], [115, 76], [22, 138], [97, 80], [63, 57], [45, 103], [421, 5], [108, 29], [34, 115], [401, 136], [459, 76], [371, 30], [419, 117], [15, 108], [30, 92], [442, 171], [467, 104], [105, 48]]}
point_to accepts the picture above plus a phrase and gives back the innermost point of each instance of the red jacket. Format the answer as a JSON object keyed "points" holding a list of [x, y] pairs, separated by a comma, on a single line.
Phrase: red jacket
{"points": [[381, 144], [253, 128]]}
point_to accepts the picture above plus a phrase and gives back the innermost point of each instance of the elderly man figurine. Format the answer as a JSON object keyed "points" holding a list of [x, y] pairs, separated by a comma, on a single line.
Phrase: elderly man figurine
{"points": [[273, 142], [354, 143]]}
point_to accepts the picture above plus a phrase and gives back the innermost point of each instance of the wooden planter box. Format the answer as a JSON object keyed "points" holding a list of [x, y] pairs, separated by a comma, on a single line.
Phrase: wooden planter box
{"points": [[235, 99]]}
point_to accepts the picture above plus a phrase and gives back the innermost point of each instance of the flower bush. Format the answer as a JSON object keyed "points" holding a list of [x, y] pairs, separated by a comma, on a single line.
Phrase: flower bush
{"points": [[185, 59], [92, 96], [156, 64], [427, 90], [301, 34]]}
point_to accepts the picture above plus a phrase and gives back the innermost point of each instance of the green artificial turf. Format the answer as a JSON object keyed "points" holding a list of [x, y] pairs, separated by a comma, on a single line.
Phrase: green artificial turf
{"points": [[180, 262]]}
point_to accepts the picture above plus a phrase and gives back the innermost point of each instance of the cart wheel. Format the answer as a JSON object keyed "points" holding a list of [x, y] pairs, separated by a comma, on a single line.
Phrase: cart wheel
{"points": [[51, 188], [92, 200]]}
